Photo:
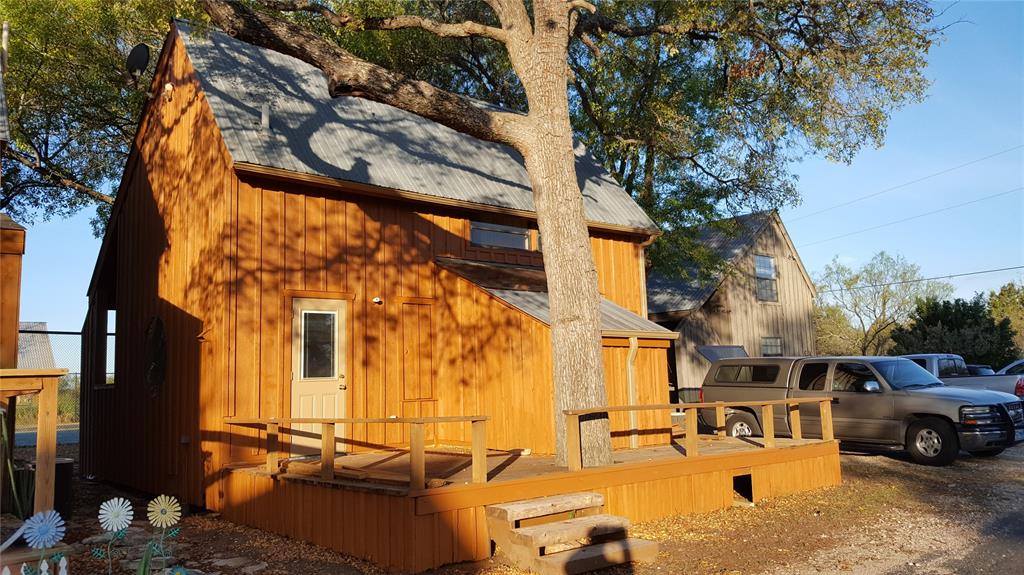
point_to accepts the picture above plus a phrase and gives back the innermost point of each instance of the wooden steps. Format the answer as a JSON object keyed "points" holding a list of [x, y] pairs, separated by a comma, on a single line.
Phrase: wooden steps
{"points": [[554, 545]]}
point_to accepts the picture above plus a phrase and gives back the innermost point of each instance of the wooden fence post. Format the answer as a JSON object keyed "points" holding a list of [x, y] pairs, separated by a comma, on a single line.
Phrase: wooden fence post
{"points": [[691, 432], [417, 458], [480, 451], [273, 429], [768, 425], [46, 444], [794, 421], [327, 450], [827, 434], [720, 419], [573, 450]]}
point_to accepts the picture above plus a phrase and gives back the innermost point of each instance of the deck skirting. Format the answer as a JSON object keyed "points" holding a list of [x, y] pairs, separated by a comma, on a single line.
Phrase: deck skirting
{"points": [[426, 529]]}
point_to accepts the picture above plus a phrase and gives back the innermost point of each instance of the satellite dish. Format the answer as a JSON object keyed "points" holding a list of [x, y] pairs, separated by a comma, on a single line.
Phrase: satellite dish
{"points": [[138, 61]]}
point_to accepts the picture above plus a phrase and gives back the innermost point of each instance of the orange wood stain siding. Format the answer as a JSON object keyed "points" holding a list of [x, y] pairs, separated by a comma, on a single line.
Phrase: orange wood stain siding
{"points": [[436, 527], [219, 258]]}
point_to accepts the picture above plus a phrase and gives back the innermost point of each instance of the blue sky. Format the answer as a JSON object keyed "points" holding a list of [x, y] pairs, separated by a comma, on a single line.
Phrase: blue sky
{"points": [[975, 108]]}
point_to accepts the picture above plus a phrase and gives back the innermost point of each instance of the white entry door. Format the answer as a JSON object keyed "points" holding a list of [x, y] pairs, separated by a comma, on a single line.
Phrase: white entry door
{"points": [[318, 369]]}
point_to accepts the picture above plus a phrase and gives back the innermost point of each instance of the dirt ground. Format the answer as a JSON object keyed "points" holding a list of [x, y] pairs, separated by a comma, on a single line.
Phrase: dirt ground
{"points": [[890, 516]]}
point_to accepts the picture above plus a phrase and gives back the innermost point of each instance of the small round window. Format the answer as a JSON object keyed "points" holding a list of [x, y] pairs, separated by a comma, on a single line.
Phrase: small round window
{"points": [[156, 356]]}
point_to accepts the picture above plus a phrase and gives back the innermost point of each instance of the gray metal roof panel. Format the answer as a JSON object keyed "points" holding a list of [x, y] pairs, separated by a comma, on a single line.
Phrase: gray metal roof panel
{"points": [[613, 316], [5, 134], [668, 295], [357, 140], [35, 350]]}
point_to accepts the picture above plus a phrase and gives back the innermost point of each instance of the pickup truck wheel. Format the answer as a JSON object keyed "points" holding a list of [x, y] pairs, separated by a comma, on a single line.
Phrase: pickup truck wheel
{"points": [[932, 441], [742, 424], [987, 452]]}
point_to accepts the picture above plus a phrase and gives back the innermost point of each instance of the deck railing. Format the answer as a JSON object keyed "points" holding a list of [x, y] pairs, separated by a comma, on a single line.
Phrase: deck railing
{"points": [[417, 441], [572, 421]]}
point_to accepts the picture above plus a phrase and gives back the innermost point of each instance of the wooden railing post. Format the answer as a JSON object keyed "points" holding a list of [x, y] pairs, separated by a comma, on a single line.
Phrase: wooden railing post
{"points": [[480, 451], [691, 432], [273, 429], [46, 445], [573, 450], [768, 425], [827, 434], [327, 447], [720, 419], [417, 458], [794, 421]]}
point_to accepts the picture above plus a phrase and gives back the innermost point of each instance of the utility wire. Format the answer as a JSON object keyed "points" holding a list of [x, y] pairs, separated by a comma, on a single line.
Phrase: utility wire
{"points": [[904, 184], [950, 276], [900, 221]]}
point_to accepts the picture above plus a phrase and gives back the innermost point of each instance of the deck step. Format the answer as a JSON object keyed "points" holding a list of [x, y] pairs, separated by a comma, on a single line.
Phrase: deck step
{"points": [[569, 530], [598, 556], [518, 510]]}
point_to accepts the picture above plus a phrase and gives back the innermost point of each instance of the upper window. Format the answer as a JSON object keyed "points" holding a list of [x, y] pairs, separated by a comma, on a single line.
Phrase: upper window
{"points": [[490, 235], [951, 367], [813, 376], [771, 346], [764, 270], [920, 361]]}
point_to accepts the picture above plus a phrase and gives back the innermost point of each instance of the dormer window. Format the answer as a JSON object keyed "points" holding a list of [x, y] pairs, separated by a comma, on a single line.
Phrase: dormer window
{"points": [[488, 235], [767, 281]]}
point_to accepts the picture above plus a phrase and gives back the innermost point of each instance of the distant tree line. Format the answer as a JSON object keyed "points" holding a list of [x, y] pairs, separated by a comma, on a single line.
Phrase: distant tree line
{"points": [[887, 307]]}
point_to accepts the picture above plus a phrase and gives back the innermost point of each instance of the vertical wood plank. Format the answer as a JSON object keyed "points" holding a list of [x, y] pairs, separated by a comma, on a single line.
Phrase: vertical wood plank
{"points": [[796, 431], [327, 451], [273, 431], [691, 432], [768, 425], [573, 451], [417, 459], [720, 419], [827, 434], [480, 451], [46, 445]]}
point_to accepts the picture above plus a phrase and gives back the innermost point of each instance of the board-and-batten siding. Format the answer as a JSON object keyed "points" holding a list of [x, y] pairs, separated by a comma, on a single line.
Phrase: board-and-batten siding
{"points": [[217, 259], [734, 316]]}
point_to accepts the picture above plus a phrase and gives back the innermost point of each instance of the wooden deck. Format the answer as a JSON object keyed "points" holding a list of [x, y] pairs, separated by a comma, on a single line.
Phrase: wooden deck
{"points": [[369, 511]]}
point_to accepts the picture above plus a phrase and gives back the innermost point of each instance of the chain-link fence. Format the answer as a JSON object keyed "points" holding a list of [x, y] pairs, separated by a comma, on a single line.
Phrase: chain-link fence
{"points": [[40, 348]]}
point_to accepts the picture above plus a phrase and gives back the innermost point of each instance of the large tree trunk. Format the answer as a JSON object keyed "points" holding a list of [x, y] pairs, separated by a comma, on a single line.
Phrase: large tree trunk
{"points": [[547, 146]]}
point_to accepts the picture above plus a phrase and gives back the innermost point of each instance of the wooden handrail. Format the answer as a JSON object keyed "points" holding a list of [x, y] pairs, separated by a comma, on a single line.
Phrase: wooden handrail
{"points": [[574, 453], [417, 443]]}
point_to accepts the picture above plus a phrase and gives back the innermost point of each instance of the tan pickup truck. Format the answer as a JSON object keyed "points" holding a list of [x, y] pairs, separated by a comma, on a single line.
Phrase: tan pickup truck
{"points": [[878, 402]]}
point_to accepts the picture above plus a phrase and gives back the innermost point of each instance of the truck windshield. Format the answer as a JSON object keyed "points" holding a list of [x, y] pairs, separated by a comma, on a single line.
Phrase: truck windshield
{"points": [[902, 373]]}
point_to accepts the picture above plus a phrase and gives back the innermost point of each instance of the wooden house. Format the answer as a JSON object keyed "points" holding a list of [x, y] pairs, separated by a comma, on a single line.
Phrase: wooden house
{"points": [[761, 305], [295, 274]]}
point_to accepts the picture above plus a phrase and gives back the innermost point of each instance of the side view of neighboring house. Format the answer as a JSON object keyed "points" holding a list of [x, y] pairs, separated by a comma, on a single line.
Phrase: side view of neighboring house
{"points": [[761, 306]]}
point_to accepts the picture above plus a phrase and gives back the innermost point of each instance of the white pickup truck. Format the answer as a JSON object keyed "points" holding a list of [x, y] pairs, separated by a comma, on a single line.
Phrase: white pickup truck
{"points": [[952, 370]]}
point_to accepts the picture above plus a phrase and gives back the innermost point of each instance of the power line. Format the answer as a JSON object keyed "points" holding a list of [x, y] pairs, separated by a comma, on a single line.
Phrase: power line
{"points": [[950, 276], [905, 184], [900, 221]]}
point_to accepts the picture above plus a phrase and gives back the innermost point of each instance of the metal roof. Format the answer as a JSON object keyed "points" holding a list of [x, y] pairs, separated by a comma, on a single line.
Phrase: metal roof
{"points": [[357, 140], [34, 349], [525, 289], [5, 134], [667, 295]]}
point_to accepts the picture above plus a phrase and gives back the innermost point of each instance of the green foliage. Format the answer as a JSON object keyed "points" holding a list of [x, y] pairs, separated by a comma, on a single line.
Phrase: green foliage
{"points": [[72, 106], [857, 310], [1008, 303], [963, 327]]}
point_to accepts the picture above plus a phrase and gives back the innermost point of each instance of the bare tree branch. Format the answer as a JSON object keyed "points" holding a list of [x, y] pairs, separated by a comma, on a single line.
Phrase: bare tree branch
{"points": [[599, 25], [348, 75], [56, 176]]}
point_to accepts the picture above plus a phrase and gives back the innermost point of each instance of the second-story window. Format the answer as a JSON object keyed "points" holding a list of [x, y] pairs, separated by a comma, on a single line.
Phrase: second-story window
{"points": [[767, 281], [485, 234]]}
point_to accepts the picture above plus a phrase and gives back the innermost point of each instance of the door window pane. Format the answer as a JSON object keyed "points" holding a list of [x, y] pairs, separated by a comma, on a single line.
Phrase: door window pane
{"points": [[851, 377], [319, 344], [812, 376]]}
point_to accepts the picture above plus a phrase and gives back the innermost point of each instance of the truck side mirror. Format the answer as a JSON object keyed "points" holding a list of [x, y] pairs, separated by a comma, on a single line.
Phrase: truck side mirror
{"points": [[871, 386]]}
